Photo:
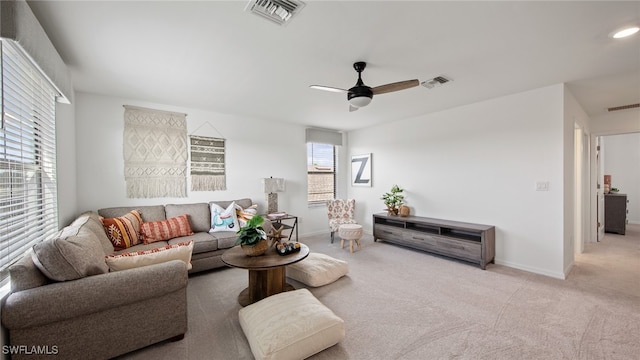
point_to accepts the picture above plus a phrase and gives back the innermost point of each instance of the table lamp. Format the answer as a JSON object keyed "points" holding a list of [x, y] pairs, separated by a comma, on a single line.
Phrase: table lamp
{"points": [[271, 187]]}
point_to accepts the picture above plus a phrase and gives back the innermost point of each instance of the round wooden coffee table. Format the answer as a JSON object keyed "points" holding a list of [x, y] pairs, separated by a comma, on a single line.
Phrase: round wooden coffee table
{"points": [[267, 273]]}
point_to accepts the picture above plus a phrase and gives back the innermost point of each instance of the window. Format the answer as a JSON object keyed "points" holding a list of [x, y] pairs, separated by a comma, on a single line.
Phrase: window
{"points": [[28, 194], [321, 172]]}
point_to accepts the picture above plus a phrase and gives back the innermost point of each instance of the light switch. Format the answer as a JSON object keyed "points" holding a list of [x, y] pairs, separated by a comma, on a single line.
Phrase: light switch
{"points": [[542, 186]]}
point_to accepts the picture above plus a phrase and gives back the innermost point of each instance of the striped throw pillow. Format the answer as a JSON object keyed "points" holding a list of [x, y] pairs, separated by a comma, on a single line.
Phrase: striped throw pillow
{"points": [[166, 229], [123, 231], [180, 251]]}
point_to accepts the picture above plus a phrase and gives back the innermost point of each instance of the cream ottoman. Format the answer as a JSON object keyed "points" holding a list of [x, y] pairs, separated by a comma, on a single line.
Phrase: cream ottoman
{"points": [[290, 325], [351, 232], [317, 270]]}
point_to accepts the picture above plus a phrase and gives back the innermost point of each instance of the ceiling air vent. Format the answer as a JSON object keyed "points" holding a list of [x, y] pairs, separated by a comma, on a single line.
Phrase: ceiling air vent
{"points": [[277, 11], [624, 107], [436, 81]]}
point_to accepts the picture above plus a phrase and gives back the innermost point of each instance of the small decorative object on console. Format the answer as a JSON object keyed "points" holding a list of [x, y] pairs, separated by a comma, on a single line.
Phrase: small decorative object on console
{"points": [[287, 248], [393, 199]]}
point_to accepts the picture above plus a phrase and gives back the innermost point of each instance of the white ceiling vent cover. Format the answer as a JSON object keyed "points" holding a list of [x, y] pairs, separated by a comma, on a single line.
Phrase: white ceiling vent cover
{"points": [[435, 82], [277, 11]]}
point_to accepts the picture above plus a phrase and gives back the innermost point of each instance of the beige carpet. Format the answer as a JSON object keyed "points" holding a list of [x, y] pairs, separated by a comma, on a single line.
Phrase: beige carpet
{"points": [[399, 303]]}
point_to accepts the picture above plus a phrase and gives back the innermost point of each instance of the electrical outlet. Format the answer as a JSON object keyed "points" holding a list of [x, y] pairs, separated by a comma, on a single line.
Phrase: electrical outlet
{"points": [[542, 186]]}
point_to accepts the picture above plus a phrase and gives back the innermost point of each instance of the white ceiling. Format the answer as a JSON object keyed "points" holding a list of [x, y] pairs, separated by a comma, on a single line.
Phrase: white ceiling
{"points": [[213, 55]]}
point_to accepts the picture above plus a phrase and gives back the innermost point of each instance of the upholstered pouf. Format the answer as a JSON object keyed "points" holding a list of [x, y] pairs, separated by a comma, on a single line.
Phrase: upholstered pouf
{"points": [[351, 232], [290, 325], [317, 270]]}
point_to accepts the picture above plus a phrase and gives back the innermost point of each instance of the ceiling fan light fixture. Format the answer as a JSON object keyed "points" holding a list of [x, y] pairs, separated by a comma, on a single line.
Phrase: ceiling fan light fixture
{"points": [[626, 32], [360, 101]]}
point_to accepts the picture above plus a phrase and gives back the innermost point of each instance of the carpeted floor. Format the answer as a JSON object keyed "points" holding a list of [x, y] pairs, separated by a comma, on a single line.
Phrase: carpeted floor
{"points": [[399, 303]]}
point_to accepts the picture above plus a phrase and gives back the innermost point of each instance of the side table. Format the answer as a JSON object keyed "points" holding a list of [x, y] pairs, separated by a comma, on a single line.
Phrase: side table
{"points": [[278, 221]]}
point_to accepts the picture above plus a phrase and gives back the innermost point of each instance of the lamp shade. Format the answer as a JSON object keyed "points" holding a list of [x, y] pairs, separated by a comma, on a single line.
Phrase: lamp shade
{"points": [[272, 185], [360, 101]]}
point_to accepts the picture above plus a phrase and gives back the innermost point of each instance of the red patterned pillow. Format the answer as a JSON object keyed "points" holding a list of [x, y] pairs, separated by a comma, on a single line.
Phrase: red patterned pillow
{"points": [[166, 229], [123, 231]]}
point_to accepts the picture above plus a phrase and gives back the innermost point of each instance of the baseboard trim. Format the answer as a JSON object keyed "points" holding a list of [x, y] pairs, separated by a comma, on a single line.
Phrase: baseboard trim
{"points": [[538, 271]]}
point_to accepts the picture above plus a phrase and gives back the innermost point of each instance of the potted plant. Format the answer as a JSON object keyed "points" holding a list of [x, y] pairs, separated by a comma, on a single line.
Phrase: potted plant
{"points": [[393, 199], [252, 237]]}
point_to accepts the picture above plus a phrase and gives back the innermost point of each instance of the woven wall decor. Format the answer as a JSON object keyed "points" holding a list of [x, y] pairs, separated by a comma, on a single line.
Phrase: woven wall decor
{"points": [[207, 164], [155, 153]]}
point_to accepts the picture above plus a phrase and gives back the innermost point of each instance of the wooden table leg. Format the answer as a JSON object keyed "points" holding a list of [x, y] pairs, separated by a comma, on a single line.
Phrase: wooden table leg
{"points": [[263, 283]]}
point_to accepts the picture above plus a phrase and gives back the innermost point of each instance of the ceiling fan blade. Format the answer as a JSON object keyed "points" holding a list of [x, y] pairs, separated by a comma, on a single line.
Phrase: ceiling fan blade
{"points": [[396, 86], [352, 108], [327, 88]]}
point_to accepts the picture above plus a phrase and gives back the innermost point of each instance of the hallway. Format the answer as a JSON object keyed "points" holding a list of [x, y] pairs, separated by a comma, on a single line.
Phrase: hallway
{"points": [[612, 265]]}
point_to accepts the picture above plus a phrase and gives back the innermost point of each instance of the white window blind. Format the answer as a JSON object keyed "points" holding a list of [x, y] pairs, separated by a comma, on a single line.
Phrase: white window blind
{"points": [[28, 194]]}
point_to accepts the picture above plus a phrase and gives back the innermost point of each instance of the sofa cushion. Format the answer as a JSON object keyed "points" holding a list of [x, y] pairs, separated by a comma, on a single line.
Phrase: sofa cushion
{"points": [[202, 242], [73, 254], [226, 239], [224, 219], [174, 227], [123, 231], [317, 270], [148, 213], [181, 251], [290, 325], [199, 214]]}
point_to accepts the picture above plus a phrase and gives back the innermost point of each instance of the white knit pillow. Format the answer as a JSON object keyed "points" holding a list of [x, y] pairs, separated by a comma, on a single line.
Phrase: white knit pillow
{"points": [[290, 325], [317, 270]]}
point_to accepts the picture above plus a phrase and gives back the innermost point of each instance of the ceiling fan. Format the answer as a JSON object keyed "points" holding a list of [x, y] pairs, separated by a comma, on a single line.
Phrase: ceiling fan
{"points": [[360, 95]]}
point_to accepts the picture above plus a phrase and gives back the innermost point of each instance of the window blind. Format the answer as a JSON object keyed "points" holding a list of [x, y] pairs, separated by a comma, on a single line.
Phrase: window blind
{"points": [[321, 136], [28, 193]]}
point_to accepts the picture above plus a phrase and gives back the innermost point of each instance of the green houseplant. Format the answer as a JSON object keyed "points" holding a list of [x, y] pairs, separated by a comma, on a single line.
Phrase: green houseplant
{"points": [[393, 199], [252, 237]]}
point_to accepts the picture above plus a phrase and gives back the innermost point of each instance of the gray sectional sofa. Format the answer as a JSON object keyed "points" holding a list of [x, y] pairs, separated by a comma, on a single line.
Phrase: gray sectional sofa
{"points": [[208, 247], [79, 309]]}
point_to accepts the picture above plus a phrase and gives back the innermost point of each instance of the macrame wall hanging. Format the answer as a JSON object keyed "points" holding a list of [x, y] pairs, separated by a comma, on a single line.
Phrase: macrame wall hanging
{"points": [[207, 162], [155, 153]]}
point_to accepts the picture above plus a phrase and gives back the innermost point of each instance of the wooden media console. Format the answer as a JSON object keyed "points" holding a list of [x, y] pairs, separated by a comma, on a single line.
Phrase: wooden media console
{"points": [[473, 243]]}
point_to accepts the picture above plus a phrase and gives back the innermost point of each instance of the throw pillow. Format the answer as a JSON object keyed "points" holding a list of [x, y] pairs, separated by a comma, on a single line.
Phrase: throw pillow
{"points": [[123, 231], [224, 219], [180, 251], [75, 252], [166, 229], [245, 214]]}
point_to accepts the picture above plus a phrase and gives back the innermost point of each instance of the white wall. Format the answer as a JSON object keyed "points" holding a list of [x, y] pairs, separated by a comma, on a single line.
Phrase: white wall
{"points": [[66, 163], [576, 220], [255, 148], [622, 162], [478, 163]]}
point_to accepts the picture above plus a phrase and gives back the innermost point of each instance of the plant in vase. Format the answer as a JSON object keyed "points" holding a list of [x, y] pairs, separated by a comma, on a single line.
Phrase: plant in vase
{"points": [[252, 237], [393, 199]]}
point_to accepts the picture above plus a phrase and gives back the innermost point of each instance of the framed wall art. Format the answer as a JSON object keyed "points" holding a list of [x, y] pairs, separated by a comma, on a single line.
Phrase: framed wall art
{"points": [[361, 170]]}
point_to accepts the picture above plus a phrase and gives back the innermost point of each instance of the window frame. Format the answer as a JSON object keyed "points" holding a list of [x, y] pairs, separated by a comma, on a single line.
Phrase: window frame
{"points": [[333, 171]]}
